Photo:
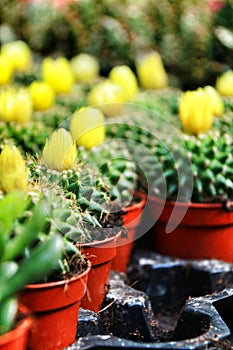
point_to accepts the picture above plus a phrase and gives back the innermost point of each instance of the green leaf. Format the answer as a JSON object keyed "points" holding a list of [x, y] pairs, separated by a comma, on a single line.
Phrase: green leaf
{"points": [[32, 227], [11, 207], [42, 261], [8, 312], [7, 270]]}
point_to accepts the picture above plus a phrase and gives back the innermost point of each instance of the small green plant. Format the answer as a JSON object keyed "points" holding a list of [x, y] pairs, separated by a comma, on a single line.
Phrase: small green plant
{"points": [[24, 257]]}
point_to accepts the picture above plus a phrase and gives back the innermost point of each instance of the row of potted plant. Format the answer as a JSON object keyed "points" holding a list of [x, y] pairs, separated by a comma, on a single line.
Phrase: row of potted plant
{"points": [[91, 172], [85, 221]]}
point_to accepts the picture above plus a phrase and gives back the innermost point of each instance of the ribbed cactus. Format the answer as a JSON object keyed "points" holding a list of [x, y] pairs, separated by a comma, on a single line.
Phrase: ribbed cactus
{"points": [[197, 168], [116, 166], [212, 164], [85, 191]]}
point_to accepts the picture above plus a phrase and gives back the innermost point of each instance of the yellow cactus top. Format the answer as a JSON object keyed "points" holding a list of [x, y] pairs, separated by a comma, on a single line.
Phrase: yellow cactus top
{"points": [[195, 110], [15, 105], [87, 127], [42, 95], [108, 97], [215, 100], [85, 68], [6, 70], [58, 73], [59, 152], [13, 170], [124, 76], [151, 72], [18, 54], [224, 83]]}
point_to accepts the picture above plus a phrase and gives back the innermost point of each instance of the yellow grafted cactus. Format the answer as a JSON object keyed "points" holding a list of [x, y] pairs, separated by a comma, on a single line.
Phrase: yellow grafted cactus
{"points": [[195, 111], [42, 95], [224, 83], [13, 170], [215, 100], [6, 70], [85, 68], [124, 76], [151, 72], [58, 73], [108, 97], [87, 127], [15, 105], [18, 54], [59, 152]]}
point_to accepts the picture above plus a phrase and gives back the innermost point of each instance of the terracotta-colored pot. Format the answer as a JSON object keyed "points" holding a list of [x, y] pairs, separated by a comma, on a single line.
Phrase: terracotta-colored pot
{"points": [[131, 219], [202, 230], [18, 337], [55, 306], [100, 253]]}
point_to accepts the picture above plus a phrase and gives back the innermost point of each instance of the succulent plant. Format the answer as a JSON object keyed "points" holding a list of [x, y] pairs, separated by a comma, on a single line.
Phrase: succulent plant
{"points": [[115, 164], [29, 137], [16, 238], [86, 197], [196, 168]]}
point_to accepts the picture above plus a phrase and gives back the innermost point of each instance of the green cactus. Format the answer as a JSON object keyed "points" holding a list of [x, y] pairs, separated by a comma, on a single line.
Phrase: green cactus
{"points": [[83, 189], [115, 165], [30, 137], [197, 168]]}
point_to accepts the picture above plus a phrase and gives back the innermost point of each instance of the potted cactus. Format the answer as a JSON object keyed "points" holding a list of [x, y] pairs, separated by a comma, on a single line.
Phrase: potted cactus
{"points": [[18, 269], [55, 301], [195, 216], [189, 174], [94, 228], [56, 267], [119, 171]]}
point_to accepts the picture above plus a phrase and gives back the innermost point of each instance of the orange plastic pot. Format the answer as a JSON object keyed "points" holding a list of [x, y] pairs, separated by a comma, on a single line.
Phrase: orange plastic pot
{"points": [[131, 219], [204, 232], [100, 253], [55, 306], [18, 337]]}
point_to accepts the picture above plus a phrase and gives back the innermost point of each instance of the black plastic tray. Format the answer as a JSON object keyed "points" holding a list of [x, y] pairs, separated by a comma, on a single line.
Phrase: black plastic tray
{"points": [[163, 303]]}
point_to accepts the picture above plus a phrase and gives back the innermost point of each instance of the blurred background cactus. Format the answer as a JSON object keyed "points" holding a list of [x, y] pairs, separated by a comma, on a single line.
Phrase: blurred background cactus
{"points": [[194, 37]]}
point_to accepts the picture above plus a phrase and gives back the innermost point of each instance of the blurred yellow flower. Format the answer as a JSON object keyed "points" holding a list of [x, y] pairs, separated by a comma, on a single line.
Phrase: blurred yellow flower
{"points": [[124, 76], [151, 72], [108, 97], [224, 83], [58, 73], [15, 105], [5, 69], [59, 152], [195, 111], [215, 100], [42, 95], [85, 67], [87, 127], [13, 170], [18, 54]]}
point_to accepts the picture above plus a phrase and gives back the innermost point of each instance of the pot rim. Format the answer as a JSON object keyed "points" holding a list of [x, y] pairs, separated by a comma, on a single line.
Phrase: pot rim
{"points": [[61, 282], [96, 243], [22, 326], [188, 204], [140, 204]]}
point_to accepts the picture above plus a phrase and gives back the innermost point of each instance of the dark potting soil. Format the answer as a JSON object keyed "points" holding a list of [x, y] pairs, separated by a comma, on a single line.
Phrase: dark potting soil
{"points": [[111, 226], [77, 265]]}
